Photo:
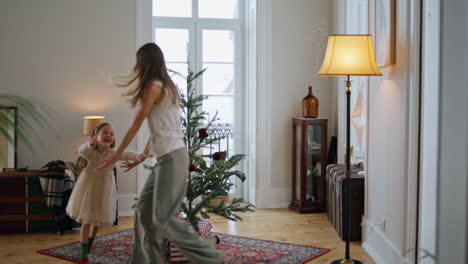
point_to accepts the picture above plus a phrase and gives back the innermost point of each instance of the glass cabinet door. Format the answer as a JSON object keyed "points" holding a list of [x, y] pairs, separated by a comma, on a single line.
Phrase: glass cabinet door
{"points": [[314, 167], [298, 153]]}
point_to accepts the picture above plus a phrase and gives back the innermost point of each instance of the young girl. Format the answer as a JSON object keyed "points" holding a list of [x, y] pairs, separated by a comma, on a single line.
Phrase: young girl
{"points": [[93, 200], [164, 191]]}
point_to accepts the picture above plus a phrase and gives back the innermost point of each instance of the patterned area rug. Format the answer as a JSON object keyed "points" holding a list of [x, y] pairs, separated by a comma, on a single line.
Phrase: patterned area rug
{"points": [[116, 248]]}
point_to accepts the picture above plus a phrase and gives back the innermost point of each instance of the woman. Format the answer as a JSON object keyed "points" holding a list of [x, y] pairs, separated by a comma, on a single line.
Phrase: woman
{"points": [[155, 214]]}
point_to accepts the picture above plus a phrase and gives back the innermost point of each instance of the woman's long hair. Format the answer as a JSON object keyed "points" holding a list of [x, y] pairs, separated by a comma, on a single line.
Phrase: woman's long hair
{"points": [[150, 66]]}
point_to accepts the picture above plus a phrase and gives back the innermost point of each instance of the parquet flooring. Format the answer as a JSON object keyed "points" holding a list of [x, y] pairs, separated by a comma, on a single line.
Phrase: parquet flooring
{"points": [[274, 224]]}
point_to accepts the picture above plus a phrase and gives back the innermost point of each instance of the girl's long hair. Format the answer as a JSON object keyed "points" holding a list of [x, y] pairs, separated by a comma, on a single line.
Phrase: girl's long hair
{"points": [[150, 66]]}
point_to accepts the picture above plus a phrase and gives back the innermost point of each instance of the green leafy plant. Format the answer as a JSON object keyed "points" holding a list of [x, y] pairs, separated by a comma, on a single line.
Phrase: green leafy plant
{"points": [[426, 254], [423, 254], [210, 175], [314, 172], [31, 115]]}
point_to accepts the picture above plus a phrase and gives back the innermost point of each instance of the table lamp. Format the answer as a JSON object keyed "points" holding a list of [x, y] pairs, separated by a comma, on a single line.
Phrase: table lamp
{"points": [[91, 122]]}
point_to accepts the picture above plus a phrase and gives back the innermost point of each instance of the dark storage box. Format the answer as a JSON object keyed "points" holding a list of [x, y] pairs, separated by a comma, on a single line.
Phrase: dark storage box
{"points": [[336, 195]]}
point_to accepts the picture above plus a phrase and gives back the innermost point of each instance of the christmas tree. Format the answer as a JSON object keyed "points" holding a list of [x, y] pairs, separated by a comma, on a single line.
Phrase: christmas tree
{"points": [[209, 175]]}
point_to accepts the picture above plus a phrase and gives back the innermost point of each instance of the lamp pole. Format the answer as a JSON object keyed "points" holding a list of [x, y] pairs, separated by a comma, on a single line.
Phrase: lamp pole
{"points": [[347, 225], [348, 163]]}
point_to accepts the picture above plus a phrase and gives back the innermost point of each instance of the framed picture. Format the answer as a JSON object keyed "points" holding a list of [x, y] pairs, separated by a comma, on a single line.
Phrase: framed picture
{"points": [[384, 31], [8, 137]]}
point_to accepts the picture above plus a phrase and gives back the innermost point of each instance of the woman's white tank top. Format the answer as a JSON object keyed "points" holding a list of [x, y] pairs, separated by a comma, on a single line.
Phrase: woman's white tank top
{"points": [[164, 125]]}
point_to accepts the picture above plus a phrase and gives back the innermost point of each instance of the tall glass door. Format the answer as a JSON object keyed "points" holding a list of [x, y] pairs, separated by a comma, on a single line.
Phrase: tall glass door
{"points": [[206, 34]]}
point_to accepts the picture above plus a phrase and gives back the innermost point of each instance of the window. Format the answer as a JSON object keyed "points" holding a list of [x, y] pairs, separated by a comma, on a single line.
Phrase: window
{"points": [[199, 34]]}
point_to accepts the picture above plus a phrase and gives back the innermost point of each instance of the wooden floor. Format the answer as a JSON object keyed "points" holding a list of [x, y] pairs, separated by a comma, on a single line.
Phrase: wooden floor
{"points": [[276, 224]]}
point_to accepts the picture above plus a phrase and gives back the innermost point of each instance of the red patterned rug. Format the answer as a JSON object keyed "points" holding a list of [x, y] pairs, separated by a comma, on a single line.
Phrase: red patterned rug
{"points": [[116, 248]]}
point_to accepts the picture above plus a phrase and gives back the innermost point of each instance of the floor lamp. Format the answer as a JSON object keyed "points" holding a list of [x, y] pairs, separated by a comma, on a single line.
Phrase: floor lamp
{"points": [[349, 55]]}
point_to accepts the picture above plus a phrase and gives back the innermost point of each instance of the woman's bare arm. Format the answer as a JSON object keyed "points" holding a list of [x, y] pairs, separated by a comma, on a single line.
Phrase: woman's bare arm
{"points": [[148, 99]]}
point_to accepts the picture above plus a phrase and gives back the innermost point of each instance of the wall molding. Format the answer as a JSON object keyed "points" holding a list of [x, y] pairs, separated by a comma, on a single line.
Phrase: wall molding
{"points": [[429, 148], [264, 56], [377, 242], [144, 22], [412, 103], [250, 115], [144, 34]]}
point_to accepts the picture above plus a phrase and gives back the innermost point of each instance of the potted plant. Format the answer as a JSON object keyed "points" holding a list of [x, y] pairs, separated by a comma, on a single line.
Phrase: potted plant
{"points": [[209, 175], [218, 175]]}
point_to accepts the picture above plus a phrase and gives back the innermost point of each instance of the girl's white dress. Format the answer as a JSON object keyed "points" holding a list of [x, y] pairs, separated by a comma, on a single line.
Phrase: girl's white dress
{"points": [[93, 199]]}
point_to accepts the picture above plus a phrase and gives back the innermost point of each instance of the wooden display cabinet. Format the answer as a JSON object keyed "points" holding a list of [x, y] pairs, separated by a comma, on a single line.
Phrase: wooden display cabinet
{"points": [[309, 164]]}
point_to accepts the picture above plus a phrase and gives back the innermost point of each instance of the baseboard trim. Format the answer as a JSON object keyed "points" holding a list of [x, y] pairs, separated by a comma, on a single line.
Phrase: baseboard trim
{"points": [[126, 213], [372, 253], [274, 198], [379, 247], [277, 205]]}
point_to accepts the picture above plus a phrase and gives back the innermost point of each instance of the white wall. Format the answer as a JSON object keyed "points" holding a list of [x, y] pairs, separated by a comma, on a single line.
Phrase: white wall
{"points": [[63, 53], [296, 55], [392, 142]]}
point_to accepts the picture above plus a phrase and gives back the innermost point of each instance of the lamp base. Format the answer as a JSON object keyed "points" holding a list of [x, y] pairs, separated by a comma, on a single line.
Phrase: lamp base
{"points": [[346, 261]]}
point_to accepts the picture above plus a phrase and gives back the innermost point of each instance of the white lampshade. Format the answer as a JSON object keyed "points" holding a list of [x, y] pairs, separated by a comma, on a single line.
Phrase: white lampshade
{"points": [[349, 55], [90, 123]]}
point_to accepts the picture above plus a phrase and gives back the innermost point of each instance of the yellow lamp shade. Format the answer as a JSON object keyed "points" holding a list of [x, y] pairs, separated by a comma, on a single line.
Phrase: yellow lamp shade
{"points": [[90, 123], [349, 55]]}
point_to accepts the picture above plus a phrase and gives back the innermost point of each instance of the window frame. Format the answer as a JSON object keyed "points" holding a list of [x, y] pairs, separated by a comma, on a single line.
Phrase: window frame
{"points": [[195, 26]]}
